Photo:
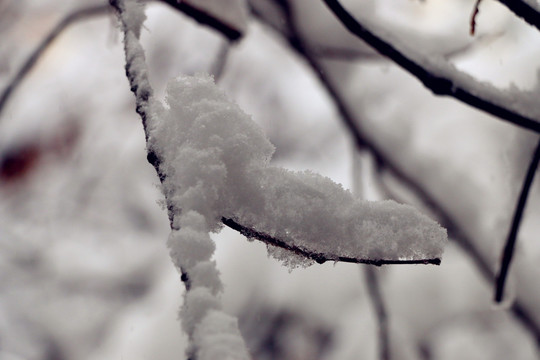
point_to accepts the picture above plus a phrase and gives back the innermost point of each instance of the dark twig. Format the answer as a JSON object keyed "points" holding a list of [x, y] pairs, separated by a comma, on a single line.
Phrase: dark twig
{"points": [[526, 11], [437, 83], [77, 15], [512, 235], [374, 291], [344, 54], [220, 62], [316, 256], [204, 18], [475, 12]]}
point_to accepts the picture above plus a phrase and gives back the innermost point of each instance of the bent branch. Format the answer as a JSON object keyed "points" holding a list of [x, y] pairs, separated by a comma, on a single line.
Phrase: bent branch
{"points": [[318, 257], [436, 76]]}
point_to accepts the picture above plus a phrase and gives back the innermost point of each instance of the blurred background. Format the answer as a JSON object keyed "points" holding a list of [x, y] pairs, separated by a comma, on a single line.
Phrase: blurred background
{"points": [[84, 269]]}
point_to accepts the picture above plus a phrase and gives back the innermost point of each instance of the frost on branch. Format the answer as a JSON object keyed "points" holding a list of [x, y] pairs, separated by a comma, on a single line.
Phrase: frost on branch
{"points": [[216, 163]]}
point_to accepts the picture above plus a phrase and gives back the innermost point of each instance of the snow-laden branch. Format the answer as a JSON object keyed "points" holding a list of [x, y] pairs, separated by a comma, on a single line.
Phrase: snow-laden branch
{"points": [[216, 162], [318, 257], [528, 10], [442, 78], [212, 333]]}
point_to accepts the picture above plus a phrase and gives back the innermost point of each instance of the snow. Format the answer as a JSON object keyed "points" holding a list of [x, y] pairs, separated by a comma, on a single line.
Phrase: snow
{"points": [[216, 162], [134, 16], [218, 337]]}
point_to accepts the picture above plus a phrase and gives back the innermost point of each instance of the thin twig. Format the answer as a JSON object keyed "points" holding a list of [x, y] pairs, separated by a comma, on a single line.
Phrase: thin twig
{"points": [[437, 83], [204, 18], [77, 15], [525, 10], [475, 12], [220, 61], [374, 291], [320, 258], [508, 251]]}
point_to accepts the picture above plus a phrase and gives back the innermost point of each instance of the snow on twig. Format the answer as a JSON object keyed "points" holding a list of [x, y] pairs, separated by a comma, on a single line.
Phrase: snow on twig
{"points": [[318, 257], [508, 251], [517, 107], [216, 161]]}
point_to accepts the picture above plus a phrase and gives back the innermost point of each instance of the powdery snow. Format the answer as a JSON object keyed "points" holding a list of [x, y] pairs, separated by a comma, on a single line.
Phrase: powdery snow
{"points": [[216, 162]]}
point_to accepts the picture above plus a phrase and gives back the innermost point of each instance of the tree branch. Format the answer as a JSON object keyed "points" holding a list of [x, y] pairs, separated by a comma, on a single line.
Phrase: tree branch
{"points": [[508, 251], [77, 15], [320, 258], [434, 76], [204, 18], [525, 10], [374, 291]]}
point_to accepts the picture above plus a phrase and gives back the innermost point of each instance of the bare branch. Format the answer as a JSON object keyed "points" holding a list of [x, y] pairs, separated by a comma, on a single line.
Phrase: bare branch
{"points": [[434, 78], [374, 291], [220, 62], [320, 258], [77, 15], [204, 18], [508, 251], [344, 54], [524, 9]]}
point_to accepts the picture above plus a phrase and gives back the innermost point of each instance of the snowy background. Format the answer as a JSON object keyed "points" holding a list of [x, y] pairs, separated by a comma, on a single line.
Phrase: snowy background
{"points": [[84, 269]]}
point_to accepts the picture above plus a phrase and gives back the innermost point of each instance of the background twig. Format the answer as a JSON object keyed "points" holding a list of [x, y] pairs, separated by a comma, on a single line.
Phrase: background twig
{"points": [[437, 83], [77, 15], [508, 251], [374, 290]]}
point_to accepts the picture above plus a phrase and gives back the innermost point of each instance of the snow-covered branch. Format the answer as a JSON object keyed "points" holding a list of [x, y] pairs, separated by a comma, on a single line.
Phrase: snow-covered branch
{"points": [[319, 257], [517, 107], [216, 162], [212, 333]]}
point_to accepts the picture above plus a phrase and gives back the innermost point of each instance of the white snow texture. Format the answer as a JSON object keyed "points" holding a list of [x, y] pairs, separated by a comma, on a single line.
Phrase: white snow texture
{"points": [[216, 162]]}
